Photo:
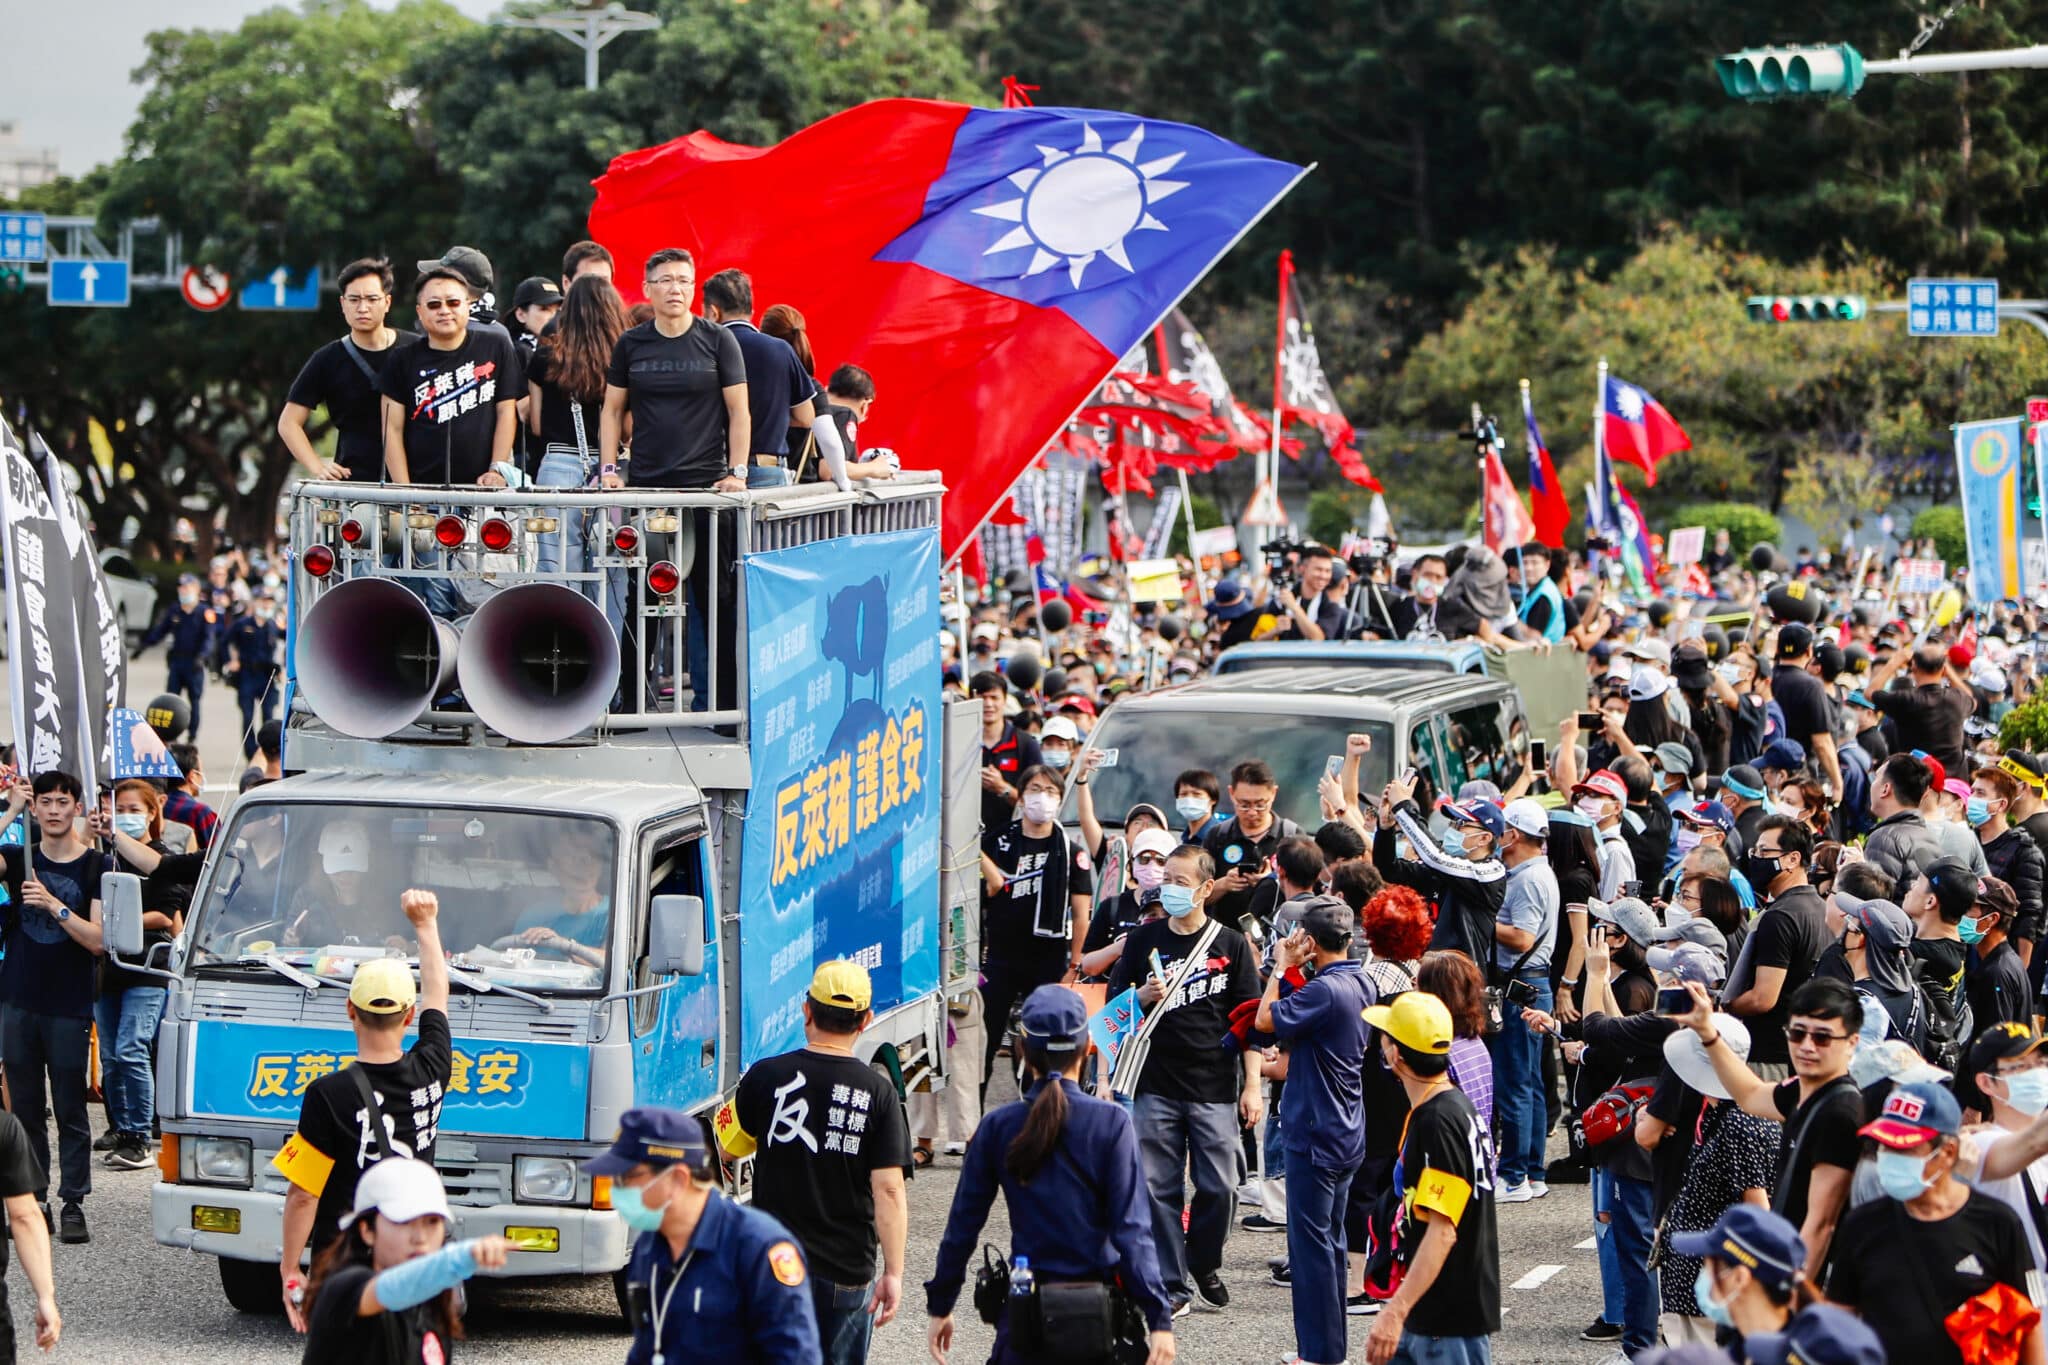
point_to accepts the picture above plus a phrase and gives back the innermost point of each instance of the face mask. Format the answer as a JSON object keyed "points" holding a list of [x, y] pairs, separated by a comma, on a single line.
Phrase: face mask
{"points": [[1976, 810], [1057, 758], [188, 600], [1703, 1294], [1969, 931], [1590, 807], [1193, 808], [1903, 1175], [2027, 1091], [633, 1210], [1453, 842], [1427, 589], [134, 826], [1677, 916], [1760, 871], [1041, 807], [1148, 875], [1730, 674], [1686, 839], [1177, 901]]}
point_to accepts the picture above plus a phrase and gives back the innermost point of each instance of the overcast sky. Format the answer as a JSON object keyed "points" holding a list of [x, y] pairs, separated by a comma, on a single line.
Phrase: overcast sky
{"points": [[64, 67]]}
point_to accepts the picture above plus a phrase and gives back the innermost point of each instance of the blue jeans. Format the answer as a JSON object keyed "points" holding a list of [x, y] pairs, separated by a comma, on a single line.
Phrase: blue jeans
{"points": [[128, 1023], [1421, 1350], [1518, 1107], [1315, 1254], [844, 1326], [763, 476], [1177, 1138], [563, 551], [1628, 1286]]}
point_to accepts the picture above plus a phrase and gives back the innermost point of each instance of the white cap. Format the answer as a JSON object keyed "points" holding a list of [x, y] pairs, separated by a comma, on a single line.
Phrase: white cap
{"points": [[1059, 727], [1527, 815], [401, 1189], [1154, 841], [985, 630], [1650, 648], [1647, 684], [344, 847], [1688, 1055]]}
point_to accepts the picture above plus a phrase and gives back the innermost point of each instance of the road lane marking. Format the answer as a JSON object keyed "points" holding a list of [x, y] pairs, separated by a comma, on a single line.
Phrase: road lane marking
{"points": [[1537, 1277], [1590, 1244]]}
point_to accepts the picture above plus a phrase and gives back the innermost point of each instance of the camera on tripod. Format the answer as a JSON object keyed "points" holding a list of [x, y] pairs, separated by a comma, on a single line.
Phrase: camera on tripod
{"points": [[1366, 562], [1282, 571]]}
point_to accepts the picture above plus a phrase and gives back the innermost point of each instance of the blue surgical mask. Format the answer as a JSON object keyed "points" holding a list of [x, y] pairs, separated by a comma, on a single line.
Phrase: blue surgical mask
{"points": [[1177, 901], [633, 1210], [2027, 1091], [1454, 842], [1969, 931], [1976, 810], [1703, 1294], [135, 826], [1057, 758], [1903, 1175], [1193, 808]]}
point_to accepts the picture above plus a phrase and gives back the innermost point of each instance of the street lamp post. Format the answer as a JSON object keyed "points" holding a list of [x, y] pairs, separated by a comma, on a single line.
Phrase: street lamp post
{"points": [[590, 27]]}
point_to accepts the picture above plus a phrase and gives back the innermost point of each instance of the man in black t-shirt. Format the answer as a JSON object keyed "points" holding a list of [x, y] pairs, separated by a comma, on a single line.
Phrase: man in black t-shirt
{"points": [[1193, 1098], [830, 1147], [1804, 700], [1909, 1260], [1784, 943], [1930, 713], [342, 376], [1037, 887], [338, 1135], [778, 388], [1243, 845], [450, 398], [47, 980]]}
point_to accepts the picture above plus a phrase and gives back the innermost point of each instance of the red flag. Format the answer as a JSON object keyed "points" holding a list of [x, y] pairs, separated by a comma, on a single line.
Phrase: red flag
{"points": [[987, 266], [1638, 429], [1506, 520]]}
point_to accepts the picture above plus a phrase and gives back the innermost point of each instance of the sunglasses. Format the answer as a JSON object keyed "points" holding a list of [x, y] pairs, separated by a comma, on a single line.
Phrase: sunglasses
{"points": [[1819, 1037], [439, 305]]}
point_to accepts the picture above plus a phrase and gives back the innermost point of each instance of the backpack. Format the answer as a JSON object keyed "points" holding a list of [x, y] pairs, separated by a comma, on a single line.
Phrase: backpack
{"points": [[1948, 1028]]}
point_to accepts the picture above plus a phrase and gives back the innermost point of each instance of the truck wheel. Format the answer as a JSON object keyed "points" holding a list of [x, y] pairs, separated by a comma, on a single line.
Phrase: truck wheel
{"points": [[252, 1286], [619, 1289]]}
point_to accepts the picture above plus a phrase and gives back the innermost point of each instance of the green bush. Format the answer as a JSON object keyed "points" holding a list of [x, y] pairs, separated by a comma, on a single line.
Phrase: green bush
{"points": [[1745, 525], [1334, 513], [2024, 727], [1945, 526]]}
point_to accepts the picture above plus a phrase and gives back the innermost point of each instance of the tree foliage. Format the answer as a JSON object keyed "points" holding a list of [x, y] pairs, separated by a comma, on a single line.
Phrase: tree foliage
{"points": [[1944, 526], [1745, 523]]}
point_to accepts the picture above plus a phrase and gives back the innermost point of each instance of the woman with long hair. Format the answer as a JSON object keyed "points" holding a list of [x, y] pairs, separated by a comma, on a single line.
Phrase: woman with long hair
{"points": [[131, 1004], [1454, 979], [1574, 852], [1067, 1167], [386, 1292], [565, 386]]}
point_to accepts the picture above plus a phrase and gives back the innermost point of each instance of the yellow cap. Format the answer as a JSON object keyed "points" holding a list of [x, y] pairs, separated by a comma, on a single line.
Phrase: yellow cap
{"points": [[1416, 1020], [734, 1140], [844, 984], [383, 985]]}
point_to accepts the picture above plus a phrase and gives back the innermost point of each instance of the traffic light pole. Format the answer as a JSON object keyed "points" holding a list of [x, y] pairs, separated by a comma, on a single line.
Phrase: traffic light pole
{"points": [[1938, 63], [2034, 312]]}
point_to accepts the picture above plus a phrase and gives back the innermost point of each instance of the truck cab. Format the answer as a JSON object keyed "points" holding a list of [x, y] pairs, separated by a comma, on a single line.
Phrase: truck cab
{"points": [[633, 902]]}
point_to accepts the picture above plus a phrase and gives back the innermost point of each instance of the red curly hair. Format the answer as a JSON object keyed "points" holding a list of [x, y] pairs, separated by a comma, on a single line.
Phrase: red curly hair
{"points": [[1397, 924]]}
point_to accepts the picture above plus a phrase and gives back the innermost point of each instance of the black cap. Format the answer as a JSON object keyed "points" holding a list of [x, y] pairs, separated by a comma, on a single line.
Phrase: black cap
{"points": [[2000, 1042], [1329, 921], [468, 262], [1793, 640], [537, 289]]}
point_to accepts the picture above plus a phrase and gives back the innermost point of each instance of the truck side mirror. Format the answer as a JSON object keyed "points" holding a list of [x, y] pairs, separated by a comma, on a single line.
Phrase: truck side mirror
{"points": [[121, 914], [675, 936]]}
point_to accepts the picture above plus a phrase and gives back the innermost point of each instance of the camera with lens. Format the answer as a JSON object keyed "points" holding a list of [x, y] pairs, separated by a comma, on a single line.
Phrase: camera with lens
{"points": [[1281, 571], [1378, 550]]}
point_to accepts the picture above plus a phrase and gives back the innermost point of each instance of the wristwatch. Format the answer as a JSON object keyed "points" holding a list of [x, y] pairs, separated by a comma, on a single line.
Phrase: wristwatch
{"points": [[61, 913], [737, 472]]}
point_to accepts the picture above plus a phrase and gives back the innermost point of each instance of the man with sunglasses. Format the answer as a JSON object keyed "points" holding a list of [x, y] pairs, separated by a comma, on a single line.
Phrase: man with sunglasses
{"points": [[1820, 1107], [450, 397]]}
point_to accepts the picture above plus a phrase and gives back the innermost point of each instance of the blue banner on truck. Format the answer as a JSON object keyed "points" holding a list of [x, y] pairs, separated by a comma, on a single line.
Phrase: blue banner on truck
{"points": [[841, 853], [495, 1089]]}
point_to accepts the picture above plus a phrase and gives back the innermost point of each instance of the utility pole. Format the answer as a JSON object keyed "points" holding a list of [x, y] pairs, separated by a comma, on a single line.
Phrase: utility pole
{"points": [[590, 27]]}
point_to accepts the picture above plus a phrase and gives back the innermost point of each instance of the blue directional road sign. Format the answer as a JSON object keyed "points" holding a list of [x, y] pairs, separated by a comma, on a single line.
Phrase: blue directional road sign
{"points": [[83, 283], [282, 289], [1952, 308], [24, 237]]}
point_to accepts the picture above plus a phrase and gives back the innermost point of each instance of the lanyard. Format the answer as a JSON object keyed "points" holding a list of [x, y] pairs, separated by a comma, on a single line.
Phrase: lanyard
{"points": [[661, 1309]]}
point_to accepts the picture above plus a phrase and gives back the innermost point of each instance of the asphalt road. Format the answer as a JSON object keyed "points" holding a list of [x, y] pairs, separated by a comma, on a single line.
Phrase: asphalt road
{"points": [[125, 1299]]}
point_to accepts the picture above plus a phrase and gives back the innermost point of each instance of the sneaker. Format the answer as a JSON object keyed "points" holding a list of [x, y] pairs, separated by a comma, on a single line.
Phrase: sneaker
{"points": [[131, 1155], [1182, 1307], [1276, 1263], [71, 1224], [1361, 1305], [1250, 1193], [1517, 1193], [107, 1141], [1538, 1188], [1602, 1330], [1210, 1294], [1283, 1275], [955, 1149], [1258, 1222]]}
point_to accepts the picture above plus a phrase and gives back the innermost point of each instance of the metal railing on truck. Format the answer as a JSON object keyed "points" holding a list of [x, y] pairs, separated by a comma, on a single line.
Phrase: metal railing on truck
{"points": [[525, 601]]}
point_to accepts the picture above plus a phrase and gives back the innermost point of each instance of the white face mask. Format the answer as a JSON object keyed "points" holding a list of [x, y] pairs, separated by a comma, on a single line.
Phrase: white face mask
{"points": [[1427, 589], [1040, 807]]}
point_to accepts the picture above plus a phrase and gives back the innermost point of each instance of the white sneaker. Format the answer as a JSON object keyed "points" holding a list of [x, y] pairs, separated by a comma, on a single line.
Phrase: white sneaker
{"points": [[1517, 1193], [1250, 1193], [955, 1149], [1537, 1189]]}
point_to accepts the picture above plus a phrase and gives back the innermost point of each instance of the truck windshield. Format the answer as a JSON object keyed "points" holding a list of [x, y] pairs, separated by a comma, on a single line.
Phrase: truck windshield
{"points": [[1156, 746], [525, 898]]}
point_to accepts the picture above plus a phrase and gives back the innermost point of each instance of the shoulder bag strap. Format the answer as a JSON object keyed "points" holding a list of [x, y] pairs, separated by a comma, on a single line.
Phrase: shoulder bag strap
{"points": [[1132, 1056], [349, 344], [372, 1114]]}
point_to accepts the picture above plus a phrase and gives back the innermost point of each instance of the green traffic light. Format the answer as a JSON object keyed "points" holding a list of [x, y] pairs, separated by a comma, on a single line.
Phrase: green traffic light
{"points": [[1769, 73]]}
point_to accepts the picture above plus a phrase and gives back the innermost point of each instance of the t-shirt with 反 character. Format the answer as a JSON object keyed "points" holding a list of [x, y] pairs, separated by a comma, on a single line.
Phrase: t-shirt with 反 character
{"points": [[1186, 1063], [1446, 1166], [451, 402], [675, 391], [823, 1125], [332, 379], [335, 1142], [1031, 917]]}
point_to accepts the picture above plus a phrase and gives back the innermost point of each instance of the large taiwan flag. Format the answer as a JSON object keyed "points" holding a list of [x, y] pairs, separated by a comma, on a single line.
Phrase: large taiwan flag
{"points": [[988, 266], [1638, 429]]}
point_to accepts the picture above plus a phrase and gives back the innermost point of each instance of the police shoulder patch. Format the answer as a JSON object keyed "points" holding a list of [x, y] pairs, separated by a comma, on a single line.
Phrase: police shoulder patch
{"points": [[787, 1263]]}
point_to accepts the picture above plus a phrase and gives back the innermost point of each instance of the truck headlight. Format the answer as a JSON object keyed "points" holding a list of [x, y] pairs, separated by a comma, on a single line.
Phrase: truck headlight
{"points": [[222, 1161], [543, 1179]]}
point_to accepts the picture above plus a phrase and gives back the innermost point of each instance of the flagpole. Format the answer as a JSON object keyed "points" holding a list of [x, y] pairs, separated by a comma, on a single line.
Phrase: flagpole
{"points": [[1269, 470], [1603, 471], [1187, 506]]}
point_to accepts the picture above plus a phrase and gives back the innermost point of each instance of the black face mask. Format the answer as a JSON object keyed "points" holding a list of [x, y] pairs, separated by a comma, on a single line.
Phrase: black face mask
{"points": [[1760, 870]]}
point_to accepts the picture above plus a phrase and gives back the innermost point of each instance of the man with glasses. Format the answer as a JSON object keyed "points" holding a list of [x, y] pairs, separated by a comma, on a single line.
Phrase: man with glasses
{"points": [[342, 375], [450, 396], [1784, 943], [1820, 1107]]}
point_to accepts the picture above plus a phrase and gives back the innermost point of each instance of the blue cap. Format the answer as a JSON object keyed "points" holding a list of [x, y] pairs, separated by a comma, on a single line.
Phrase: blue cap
{"points": [[1787, 755], [1054, 1018], [1820, 1335], [1709, 813], [1230, 601], [1765, 1244], [1860, 698], [1484, 814], [1744, 780], [653, 1137]]}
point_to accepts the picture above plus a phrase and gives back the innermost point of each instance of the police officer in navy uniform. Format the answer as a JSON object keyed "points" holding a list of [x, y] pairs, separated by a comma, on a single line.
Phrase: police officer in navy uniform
{"points": [[1067, 1165], [710, 1279], [192, 627], [248, 657]]}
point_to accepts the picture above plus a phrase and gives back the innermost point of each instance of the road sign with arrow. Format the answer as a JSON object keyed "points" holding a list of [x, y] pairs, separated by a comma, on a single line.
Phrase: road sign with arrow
{"points": [[88, 283], [284, 290]]}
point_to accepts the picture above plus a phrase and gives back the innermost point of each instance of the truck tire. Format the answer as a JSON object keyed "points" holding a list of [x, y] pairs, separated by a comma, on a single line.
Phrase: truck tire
{"points": [[619, 1290], [252, 1286]]}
